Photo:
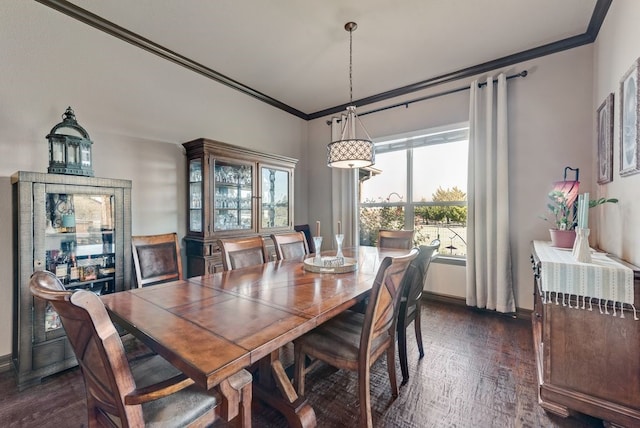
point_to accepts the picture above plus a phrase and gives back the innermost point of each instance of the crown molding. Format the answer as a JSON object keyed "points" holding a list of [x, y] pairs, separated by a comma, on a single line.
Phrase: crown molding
{"points": [[597, 18]]}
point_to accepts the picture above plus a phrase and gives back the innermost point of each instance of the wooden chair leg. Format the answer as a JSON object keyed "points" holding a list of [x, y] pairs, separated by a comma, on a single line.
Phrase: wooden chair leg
{"points": [[391, 368], [299, 370], [364, 396], [402, 351], [92, 416], [418, 328]]}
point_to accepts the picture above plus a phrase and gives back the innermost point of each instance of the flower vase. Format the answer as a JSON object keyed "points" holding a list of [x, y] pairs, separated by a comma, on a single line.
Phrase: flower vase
{"points": [[317, 242], [339, 239], [562, 238], [581, 251]]}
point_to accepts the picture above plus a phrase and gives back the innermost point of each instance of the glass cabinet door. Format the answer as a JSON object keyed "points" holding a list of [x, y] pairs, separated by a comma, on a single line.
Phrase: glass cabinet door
{"points": [[233, 196], [274, 204], [79, 240], [195, 195]]}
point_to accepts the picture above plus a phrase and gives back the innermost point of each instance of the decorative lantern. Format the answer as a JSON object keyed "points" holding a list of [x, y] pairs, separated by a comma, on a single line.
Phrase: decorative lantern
{"points": [[69, 147]]}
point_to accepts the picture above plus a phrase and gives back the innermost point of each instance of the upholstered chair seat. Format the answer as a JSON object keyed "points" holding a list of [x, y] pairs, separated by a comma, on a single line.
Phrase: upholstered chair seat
{"points": [[179, 409], [340, 339]]}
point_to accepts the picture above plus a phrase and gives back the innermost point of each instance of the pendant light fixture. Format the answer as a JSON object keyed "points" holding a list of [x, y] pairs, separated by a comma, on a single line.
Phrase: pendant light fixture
{"points": [[351, 151]]}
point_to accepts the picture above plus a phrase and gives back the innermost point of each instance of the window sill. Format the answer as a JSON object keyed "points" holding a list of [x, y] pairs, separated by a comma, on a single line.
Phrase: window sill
{"points": [[447, 260]]}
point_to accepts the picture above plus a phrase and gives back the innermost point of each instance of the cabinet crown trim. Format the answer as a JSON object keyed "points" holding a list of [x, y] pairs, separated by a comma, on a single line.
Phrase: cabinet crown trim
{"points": [[226, 149]]}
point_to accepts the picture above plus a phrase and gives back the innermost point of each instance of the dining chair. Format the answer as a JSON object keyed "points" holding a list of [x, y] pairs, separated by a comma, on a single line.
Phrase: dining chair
{"points": [[156, 258], [292, 245], [304, 228], [410, 302], [401, 239], [242, 252], [354, 341], [149, 392]]}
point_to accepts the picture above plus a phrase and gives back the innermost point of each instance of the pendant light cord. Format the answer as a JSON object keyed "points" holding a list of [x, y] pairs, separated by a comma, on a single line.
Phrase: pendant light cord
{"points": [[351, 66]]}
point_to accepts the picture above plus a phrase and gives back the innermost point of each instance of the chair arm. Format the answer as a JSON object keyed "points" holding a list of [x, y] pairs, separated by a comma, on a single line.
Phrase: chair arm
{"points": [[158, 390]]}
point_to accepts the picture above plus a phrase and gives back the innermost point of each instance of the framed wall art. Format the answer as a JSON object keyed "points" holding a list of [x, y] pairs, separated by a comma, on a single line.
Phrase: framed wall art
{"points": [[629, 123], [604, 127]]}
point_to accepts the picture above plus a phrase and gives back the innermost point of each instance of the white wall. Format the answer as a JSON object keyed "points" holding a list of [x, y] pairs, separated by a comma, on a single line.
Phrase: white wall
{"points": [[617, 47], [550, 127], [137, 108]]}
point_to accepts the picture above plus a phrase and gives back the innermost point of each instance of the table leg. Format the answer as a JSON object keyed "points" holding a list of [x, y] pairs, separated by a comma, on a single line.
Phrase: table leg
{"points": [[283, 397], [236, 398]]}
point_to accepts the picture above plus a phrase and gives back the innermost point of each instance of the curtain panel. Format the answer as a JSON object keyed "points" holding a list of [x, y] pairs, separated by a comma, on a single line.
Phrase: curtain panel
{"points": [[489, 277], [344, 196]]}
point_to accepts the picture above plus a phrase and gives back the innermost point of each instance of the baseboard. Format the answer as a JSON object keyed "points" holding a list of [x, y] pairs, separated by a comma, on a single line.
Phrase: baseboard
{"points": [[442, 298], [5, 363], [460, 301]]}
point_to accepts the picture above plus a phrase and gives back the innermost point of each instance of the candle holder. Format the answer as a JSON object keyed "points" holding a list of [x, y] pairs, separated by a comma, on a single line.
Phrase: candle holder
{"points": [[339, 239], [581, 251], [317, 242]]}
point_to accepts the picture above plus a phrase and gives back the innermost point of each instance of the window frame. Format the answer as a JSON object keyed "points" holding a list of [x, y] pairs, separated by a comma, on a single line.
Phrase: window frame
{"points": [[409, 141]]}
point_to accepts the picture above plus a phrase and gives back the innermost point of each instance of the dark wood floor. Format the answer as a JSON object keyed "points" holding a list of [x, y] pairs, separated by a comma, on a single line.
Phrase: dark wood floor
{"points": [[478, 371]]}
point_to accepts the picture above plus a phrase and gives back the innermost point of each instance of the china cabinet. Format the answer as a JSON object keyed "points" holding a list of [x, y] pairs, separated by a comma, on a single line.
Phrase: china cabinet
{"points": [[78, 228], [232, 192], [586, 349]]}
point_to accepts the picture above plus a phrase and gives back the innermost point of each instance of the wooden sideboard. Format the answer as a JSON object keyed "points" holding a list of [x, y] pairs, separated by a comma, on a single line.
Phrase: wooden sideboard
{"points": [[587, 361]]}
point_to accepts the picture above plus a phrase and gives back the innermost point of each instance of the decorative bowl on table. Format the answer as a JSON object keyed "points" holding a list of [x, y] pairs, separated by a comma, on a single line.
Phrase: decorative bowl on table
{"points": [[330, 264]]}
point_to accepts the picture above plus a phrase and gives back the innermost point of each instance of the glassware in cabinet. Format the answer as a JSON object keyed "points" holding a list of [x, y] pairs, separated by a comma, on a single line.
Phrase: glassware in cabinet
{"points": [[195, 195], [80, 240], [233, 194]]}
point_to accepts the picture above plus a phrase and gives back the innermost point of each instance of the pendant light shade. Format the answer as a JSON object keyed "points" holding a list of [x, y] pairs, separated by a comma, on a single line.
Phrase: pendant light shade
{"points": [[351, 151]]}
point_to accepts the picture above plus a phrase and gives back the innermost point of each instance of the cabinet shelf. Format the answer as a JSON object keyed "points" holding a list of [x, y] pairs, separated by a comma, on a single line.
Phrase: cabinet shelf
{"points": [[81, 284], [78, 234], [233, 186], [233, 209]]}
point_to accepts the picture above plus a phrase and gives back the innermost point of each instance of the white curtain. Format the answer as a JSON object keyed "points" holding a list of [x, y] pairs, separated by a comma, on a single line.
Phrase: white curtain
{"points": [[489, 277], [344, 196]]}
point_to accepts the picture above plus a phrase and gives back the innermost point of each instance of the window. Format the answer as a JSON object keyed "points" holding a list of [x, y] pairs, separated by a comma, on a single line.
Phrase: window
{"points": [[419, 181]]}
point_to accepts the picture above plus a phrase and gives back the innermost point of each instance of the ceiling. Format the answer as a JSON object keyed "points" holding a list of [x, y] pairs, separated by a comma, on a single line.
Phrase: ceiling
{"points": [[295, 54]]}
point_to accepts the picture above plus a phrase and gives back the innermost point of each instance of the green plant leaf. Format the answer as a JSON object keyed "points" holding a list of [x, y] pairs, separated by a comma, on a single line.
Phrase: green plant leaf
{"points": [[596, 202]]}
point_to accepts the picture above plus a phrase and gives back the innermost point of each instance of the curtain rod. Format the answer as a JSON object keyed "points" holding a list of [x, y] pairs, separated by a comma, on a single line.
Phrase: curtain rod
{"points": [[439, 94]]}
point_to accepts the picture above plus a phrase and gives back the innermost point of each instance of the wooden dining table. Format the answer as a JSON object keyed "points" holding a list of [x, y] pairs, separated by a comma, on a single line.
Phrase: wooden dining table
{"points": [[212, 326]]}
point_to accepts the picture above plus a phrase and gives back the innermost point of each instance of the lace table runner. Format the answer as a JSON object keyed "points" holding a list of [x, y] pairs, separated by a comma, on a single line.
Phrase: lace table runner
{"points": [[604, 280]]}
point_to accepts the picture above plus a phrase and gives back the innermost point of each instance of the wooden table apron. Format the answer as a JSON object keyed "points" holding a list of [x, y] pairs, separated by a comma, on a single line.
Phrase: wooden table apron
{"points": [[212, 326]]}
